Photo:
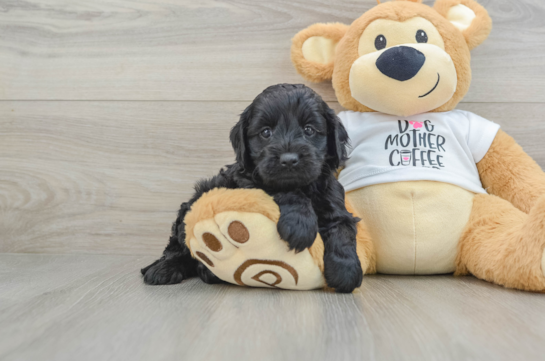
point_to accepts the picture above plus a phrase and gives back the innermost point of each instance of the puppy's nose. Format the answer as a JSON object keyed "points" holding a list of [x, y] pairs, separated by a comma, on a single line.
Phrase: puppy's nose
{"points": [[401, 63], [289, 159]]}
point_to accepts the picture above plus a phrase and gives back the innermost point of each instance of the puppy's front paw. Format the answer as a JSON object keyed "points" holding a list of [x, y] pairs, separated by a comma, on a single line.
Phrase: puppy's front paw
{"points": [[164, 272], [299, 232], [342, 273]]}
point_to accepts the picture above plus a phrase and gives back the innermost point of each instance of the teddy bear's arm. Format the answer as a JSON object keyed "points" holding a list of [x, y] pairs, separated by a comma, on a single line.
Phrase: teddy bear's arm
{"points": [[508, 172]]}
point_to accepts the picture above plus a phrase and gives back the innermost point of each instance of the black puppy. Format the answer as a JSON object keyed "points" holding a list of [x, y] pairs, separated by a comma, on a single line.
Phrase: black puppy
{"points": [[288, 142]]}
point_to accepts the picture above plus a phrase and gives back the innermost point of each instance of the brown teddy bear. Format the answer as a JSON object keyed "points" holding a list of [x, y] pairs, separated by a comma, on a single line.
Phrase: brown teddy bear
{"points": [[438, 190]]}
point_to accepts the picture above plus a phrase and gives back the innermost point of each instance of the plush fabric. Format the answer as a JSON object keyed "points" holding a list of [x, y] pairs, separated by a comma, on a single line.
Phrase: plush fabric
{"points": [[368, 83], [233, 232], [504, 245], [365, 246], [319, 49], [461, 16], [309, 68], [480, 27], [508, 172], [413, 235], [240, 200]]}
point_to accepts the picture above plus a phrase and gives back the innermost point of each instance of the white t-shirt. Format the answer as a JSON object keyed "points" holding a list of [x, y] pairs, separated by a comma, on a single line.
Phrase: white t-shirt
{"points": [[443, 147]]}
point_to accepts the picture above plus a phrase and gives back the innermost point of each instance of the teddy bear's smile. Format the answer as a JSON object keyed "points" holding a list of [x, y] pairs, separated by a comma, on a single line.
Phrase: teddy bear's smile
{"points": [[435, 87]]}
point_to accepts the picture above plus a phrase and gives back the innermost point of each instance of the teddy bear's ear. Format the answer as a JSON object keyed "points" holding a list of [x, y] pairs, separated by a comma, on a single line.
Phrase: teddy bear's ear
{"points": [[469, 17], [313, 50]]}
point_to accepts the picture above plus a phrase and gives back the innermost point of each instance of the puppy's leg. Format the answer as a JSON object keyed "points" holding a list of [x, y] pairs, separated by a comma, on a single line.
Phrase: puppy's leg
{"points": [[176, 264], [298, 224], [206, 275], [342, 266]]}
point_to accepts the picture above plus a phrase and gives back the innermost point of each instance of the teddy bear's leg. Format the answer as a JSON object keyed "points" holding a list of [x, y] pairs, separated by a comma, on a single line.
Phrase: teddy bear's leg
{"points": [[504, 245], [233, 232], [365, 247]]}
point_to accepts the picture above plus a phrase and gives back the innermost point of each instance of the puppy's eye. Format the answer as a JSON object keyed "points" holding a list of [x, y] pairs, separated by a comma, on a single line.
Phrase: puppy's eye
{"points": [[266, 133], [380, 42], [421, 36], [309, 130]]}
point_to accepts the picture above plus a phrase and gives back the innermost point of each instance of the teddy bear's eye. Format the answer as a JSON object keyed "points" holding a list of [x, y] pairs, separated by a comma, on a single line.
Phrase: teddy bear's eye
{"points": [[421, 36], [380, 42]]}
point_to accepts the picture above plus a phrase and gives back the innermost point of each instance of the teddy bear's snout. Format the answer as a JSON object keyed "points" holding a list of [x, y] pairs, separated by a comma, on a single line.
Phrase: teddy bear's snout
{"points": [[401, 62]]}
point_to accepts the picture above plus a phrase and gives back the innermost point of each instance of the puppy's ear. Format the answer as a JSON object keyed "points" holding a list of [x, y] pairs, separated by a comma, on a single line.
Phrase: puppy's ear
{"points": [[337, 139], [239, 139]]}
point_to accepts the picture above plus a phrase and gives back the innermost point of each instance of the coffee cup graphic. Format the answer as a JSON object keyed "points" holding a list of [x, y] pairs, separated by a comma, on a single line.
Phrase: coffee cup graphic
{"points": [[405, 157]]}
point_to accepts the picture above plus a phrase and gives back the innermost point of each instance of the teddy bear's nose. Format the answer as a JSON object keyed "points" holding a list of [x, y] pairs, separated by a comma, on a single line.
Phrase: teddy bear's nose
{"points": [[401, 62]]}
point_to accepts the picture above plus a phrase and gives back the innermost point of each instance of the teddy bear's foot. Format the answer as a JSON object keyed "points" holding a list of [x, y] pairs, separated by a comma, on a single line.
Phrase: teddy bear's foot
{"points": [[234, 234], [536, 227], [245, 249], [504, 245], [543, 263]]}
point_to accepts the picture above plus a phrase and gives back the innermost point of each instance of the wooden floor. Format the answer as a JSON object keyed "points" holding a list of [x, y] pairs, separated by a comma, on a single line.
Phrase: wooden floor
{"points": [[81, 307], [110, 110]]}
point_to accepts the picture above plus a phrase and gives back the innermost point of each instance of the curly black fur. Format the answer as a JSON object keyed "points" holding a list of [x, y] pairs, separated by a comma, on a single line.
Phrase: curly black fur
{"points": [[288, 142]]}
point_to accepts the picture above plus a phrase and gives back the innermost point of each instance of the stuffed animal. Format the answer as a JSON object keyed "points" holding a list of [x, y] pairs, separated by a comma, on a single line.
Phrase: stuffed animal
{"points": [[438, 190]]}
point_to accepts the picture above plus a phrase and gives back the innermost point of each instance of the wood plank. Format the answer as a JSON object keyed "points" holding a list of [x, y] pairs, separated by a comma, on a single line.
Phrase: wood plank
{"points": [[219, 49], [108, 177], [74, 174], [23, 278], [107, 313]]}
